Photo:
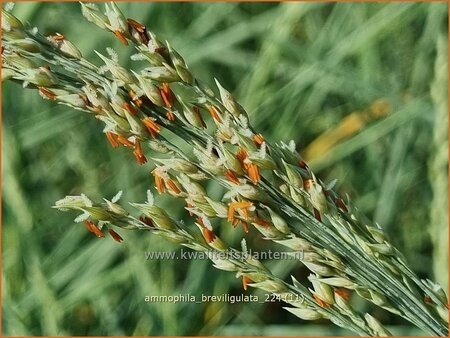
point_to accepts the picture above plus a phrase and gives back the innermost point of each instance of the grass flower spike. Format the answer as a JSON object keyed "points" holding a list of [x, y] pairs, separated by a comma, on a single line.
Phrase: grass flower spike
{"points": [[269, 189]]}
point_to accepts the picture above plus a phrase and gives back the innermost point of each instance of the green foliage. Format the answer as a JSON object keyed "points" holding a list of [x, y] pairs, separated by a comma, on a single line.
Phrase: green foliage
{"points": [[299, 69]]}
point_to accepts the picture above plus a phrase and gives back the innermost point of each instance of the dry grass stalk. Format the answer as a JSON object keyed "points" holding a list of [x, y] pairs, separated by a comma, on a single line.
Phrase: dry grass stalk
{"points": [[269, 186]]}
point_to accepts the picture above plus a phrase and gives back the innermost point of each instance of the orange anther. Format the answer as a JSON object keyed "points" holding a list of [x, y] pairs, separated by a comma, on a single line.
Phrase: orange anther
{"points": [[231, 176], [115, 236], [47, 93], [214, 113], [170, 116], [258, 139], [320, 301], [122, 38], [166, 94], [245, 226], [140, 157], [343, 293], [262, 222], [57, 37], [241, 155], [172, 186], [244, 205], [302, 164], [308, 183], [93, 228], [124, 141], [245, 281], [159, 182], [189, 206], [208, 235], [146, 220], [152, 126], [136, 25], [253, 172], [129, 108], [112, 139]]}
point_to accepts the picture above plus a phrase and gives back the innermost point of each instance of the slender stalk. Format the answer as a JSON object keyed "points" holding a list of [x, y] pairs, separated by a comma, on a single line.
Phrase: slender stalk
{"points": [[268, 185]]}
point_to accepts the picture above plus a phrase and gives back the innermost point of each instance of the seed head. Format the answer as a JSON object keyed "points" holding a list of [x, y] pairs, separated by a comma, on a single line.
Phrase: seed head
{"points": [[92, 14]]}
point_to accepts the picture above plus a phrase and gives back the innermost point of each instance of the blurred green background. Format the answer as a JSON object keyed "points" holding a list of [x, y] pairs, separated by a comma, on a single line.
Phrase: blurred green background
{"points": [[365, 81]]}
